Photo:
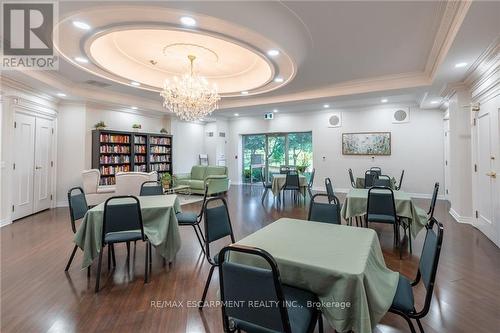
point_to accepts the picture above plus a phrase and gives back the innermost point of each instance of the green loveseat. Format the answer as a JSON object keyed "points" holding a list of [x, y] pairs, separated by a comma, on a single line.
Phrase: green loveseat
{"points": [[214, 176]]}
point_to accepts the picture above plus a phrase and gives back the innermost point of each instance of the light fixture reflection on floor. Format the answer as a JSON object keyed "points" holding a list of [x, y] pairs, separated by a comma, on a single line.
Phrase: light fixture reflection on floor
{"points": [[191, 97]]}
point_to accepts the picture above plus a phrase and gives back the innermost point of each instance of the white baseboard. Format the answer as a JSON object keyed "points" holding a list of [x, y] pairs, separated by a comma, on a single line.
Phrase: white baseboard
{"points": [[61, 204], [460, 219], [5, 222]]}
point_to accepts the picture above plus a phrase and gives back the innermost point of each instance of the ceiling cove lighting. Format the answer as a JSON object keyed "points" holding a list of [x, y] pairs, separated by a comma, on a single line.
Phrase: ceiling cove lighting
{"points": [[273, 53], [384, 100], [460, 65], [81, 60], [275, 110], [61, 94], [135, 83], [326, 106], [244, 92], [188, 21], [81, 25], [278, 79]]}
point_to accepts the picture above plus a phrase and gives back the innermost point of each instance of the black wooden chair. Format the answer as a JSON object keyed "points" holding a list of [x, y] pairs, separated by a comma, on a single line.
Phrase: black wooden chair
{"points": [[77, 209], [351, 177], [122, 223], [311, 183], [266, 185], [291, 184], [381, 208], [151, 187], [217, 225], [194, 220], [398, 187], [244, 284], [324, 212], [430, 213], [403, 303], [370, 176]]}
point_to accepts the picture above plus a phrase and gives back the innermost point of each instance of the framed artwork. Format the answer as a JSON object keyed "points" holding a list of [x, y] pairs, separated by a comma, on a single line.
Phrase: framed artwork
{"points": [[366, 143]]}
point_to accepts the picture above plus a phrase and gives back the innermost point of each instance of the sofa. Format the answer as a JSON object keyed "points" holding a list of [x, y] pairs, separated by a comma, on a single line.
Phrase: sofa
{"points": [[215, 177], [127, 183]]}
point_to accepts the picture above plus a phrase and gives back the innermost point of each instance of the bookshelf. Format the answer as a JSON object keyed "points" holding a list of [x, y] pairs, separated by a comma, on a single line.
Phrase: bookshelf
{"points": [[115, 151]]}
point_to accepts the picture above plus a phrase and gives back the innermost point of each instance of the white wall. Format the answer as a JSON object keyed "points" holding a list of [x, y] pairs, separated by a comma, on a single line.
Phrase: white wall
{"points": [[417, 146], [188, 145]]}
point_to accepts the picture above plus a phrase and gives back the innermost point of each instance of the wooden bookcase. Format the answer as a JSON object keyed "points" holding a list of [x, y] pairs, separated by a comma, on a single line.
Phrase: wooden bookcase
{"points": [[114, 151]]}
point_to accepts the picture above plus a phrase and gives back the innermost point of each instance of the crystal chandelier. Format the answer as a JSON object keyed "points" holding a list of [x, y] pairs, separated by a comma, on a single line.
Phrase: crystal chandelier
{"points": [[190, 97]]}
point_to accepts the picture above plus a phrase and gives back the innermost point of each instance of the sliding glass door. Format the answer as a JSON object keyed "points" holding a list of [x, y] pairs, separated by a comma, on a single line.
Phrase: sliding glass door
{"points": [[270, 151]]}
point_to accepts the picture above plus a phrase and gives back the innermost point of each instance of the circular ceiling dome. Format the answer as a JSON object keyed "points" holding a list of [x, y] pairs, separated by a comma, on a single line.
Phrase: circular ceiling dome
{"points": [[152, 55]]}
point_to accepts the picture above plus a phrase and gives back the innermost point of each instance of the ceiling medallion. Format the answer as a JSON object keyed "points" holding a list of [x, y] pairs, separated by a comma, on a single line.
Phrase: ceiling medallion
{"points": [[191, 97]]}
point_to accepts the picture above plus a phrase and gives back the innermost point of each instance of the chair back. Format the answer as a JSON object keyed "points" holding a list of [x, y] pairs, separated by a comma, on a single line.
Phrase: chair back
{"points": [[380, 201], [378, 170], [77, 205], [329, 190], [292, 180], [246, 284], [151, 187], [283, 169], [400, 180], [370, 177], [429, 260], [383, 181], [351, 177], [217, 222], [324, 212], [263, 177], [430, 213], [311, 179], [122, 213]]}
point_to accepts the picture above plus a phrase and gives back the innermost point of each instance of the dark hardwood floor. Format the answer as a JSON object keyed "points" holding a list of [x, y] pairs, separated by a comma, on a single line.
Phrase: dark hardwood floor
{"points": [[38, 296]]}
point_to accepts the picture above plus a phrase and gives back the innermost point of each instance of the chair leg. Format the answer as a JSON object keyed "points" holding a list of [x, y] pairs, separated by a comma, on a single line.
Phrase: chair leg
{"points": [[109, 257], [150, 258], [71, 258], [113, 254], [409, 237], [207, 284], [410, 324], [320, 322], [146, 264], [128, 250], [98, 277], [88, 271], [420, 325], [199, 239], [264, 194]]}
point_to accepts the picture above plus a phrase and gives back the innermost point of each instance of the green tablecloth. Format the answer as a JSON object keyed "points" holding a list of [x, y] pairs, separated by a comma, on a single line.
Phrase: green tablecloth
{"points": [[280, 179], [355, 205], [160, 226], [338, 263]]}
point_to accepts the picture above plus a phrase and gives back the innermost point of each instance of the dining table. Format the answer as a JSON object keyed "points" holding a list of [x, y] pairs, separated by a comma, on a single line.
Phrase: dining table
{"points": [[344, 266], [279, 180], [159, 223], [357, 198]]}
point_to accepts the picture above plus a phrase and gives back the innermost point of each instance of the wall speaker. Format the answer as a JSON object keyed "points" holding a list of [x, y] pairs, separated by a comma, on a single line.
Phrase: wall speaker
{"points": [[401, 116], [335, 120]]}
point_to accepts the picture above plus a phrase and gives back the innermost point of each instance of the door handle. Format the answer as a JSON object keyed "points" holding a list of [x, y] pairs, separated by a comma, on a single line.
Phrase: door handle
{"points": [[38, 167], [492, 174]]}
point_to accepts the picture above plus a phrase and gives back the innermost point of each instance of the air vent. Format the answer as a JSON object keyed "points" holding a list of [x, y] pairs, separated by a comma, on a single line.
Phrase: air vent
{"points": [[222, 134], [210, 134], [335, 120], [97, 84], [401, 116]]}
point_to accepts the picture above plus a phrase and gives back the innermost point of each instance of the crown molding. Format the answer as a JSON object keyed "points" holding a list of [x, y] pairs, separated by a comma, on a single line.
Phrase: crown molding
{"points": [[21, 87], [451, 21]]}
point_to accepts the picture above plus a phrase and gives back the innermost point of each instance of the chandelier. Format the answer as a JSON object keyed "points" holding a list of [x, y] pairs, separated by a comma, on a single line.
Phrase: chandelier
{"points": [[190, 97]]}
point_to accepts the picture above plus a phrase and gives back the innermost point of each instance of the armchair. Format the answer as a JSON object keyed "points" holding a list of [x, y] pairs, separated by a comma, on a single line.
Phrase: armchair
{"points": [[214, 177], [95, 193]]}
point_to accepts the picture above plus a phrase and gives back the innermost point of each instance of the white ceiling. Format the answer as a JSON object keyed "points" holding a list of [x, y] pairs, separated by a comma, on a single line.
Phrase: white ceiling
{"points": [[345, 53]]}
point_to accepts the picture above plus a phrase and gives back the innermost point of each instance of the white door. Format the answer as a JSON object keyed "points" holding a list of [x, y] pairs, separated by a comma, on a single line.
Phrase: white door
{"points": [[23, 165], [43, 165], [485, 175]]}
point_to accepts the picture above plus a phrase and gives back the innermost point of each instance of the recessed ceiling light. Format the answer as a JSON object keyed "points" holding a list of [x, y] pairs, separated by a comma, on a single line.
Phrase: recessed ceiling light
{"points": [[384, 100], [326, 106], [61, 94], [81, 25], [244, 92], [134, 107], [82, 60], [278, 79], [273, 53], [434, 102], [188, 21], [460, 65], [236, 114], [135, 83], [275, 110]]}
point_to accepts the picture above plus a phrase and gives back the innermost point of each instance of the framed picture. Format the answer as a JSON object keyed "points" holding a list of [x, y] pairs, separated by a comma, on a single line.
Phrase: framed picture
{"points": [[366, 143]]}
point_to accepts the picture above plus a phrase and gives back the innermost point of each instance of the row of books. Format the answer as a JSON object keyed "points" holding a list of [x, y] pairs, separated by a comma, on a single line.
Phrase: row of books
{"points": [[159, 158], [159, 167], [140, 149], [114, 138], [141, 168], [140, 139], [107, 181], [140, 159], [112, 169], [107, 159], [159, 150], [114, 149], [159, 141]]}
